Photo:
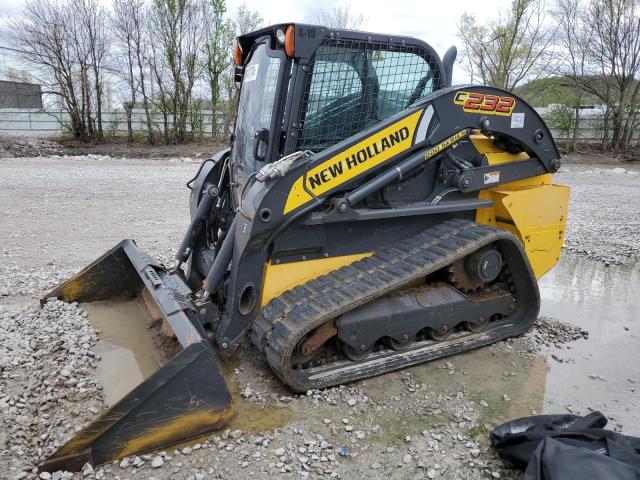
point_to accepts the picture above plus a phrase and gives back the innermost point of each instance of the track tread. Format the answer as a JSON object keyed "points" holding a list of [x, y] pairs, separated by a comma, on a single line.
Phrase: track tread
{"points": [[285, 319]]}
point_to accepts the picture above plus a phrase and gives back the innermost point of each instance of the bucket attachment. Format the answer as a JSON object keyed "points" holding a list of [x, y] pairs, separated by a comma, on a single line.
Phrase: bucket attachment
{"points": [[186, 398]]}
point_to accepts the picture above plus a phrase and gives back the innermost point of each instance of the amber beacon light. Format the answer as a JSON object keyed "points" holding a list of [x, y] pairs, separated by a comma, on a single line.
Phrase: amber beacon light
{"points": [[237, 54], [289, 41]]}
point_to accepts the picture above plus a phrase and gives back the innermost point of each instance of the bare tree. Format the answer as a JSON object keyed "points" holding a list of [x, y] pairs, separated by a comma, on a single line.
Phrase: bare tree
{"points": [[138, 14], [616, 50], [160, 97], [217, 53], [163, 52], [128, 21], [340, 17], [510, 49], [177, 33], [246, 20], [574, 41], [124, 30], [91, 20], [54, 41], [612, 63], [81, 57]]}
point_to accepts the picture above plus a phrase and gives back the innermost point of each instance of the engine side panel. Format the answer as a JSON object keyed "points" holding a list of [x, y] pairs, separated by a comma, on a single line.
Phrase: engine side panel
{"points": [[534, 209]]}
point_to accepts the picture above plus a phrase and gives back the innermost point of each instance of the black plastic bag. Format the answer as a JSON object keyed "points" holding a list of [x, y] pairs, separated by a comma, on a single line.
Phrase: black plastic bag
{"points": [[560, 447]]}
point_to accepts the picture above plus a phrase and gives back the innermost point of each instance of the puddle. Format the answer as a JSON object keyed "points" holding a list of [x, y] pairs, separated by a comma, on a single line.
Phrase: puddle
{"points": [[599, 299], [252, 418], [489, 376], [128, 354], [597, 373], [602, 300]]}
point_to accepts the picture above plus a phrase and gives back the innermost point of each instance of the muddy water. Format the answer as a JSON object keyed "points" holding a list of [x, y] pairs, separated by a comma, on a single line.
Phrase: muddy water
{"points": [[252, 417], [600, 373], [129, 355], [489, 376], [604, 301]]}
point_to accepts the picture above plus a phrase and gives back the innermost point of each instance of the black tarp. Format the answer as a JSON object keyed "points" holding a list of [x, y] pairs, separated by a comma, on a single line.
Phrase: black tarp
{"points": [[561, 447]]}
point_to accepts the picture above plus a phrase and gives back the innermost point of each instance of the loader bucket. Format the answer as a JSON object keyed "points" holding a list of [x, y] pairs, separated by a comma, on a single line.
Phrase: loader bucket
{"points": [[186, 398]]}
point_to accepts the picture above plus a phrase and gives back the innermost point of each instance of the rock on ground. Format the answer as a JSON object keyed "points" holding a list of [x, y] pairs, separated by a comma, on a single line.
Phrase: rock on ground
{"points": [[426, 421]]}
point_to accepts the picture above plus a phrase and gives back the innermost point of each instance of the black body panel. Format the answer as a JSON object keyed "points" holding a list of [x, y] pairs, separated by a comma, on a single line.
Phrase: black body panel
{"points": [[400, 316]]}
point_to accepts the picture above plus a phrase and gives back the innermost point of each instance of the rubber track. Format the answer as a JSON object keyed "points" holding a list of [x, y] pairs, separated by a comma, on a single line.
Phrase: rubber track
{"points": [[287, 318]]}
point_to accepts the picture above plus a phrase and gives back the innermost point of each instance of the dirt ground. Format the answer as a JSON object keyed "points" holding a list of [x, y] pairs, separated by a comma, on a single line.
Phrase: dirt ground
{"points": [[199, 148], [116, 147], [429, 421]]}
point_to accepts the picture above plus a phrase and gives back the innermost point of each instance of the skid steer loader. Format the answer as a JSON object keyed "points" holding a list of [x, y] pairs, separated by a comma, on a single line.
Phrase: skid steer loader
{"points": [[367, 216]]}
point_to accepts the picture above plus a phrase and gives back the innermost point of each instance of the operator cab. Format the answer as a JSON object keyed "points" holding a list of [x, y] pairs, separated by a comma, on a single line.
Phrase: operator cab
{"points": [[307, 87]]}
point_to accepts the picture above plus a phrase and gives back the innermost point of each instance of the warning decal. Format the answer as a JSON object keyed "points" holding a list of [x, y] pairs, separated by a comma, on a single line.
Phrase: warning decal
{"points": [[492, 177]]}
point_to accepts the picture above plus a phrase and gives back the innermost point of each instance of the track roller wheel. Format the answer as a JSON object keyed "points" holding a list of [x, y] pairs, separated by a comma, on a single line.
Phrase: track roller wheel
{"points": [[404, 344], [477, 325], [299, 358], [353, 354], [439, 335]]}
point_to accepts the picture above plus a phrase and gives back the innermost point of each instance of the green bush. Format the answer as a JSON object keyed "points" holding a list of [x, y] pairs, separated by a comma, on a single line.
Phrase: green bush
{"points": [[560, 118]]}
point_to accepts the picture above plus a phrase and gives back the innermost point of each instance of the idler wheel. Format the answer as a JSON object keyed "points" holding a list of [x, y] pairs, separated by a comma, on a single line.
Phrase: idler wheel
{"points": [[483, 265]]}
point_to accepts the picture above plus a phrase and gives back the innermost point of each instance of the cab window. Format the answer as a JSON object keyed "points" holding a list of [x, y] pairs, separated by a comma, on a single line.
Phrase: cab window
{"points": [[353, 85]]}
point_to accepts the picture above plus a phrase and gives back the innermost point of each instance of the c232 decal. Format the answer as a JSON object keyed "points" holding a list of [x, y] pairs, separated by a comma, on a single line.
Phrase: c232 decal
{"points": [[474, 102]]}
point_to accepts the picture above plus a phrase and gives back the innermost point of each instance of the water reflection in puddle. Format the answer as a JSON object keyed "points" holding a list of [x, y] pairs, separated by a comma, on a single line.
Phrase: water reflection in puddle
{"points": [[602, 300]]}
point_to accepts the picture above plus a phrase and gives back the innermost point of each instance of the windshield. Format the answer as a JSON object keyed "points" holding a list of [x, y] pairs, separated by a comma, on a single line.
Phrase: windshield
{"points": [[255, 111]]}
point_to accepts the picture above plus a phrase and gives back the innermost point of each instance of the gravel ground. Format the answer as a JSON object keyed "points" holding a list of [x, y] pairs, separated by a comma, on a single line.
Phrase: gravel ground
{"points": [[429, 421], [604, 214]]}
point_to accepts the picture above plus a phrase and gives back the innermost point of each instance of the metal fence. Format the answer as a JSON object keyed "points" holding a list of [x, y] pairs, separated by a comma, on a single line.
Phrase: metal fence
{"points": [[591, 130], [40, 123], [53, 123]]}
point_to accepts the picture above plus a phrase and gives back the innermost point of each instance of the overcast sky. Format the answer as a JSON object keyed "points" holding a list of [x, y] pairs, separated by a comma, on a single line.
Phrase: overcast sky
{"points": [[433, 21]]}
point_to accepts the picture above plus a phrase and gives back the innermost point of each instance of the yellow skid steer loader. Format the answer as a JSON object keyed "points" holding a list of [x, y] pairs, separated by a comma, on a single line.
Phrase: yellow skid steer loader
{"points": [[367, 216]]}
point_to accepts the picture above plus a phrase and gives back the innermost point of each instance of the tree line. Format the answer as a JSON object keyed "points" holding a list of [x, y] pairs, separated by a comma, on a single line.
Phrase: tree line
{"points": [[175, 58], [162, 50], [592, 47]]}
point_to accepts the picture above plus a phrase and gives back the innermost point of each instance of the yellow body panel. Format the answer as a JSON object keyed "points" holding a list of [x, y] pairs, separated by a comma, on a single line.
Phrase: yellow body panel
{"points": [[278, 278], [534, 209], [353, 161]]}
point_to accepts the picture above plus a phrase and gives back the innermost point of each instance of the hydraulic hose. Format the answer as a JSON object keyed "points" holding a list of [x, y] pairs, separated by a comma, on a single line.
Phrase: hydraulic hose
{"points": [[207, 202], [222, 260]]}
